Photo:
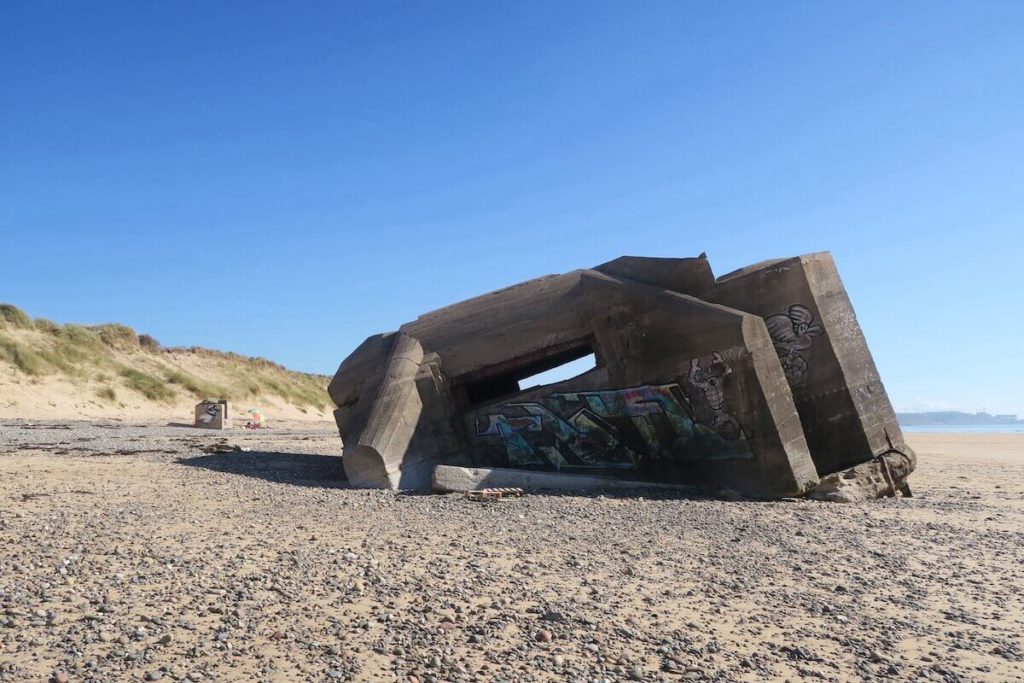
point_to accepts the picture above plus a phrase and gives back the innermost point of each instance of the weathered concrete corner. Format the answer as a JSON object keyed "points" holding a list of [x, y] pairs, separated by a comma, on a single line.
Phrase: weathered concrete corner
{"points": [[759, 381]]}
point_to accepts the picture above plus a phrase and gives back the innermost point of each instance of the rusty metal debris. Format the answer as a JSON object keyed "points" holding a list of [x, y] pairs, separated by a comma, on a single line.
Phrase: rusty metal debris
{"points": [[494, 494]]}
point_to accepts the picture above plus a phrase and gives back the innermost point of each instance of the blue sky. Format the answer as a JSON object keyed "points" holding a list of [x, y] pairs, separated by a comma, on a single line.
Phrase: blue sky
{"points": [[284, 179]]}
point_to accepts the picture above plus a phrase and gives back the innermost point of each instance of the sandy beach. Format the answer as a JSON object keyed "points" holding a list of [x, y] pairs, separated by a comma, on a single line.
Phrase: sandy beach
{"points": [[129, 553]]}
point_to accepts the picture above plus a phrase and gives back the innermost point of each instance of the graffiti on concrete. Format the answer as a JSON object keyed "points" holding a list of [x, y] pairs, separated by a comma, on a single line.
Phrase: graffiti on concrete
{"points": [[793, 334], [709, 382], [613, 429], [210, 413]]}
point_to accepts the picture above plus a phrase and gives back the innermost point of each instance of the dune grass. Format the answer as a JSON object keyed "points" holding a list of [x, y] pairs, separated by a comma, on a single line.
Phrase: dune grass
{"points": [[113, 336], [197, 387], [114, 355], [298, 392], [147, 385], [149, 343], [262, 377], [21, 357], [14, 316]]}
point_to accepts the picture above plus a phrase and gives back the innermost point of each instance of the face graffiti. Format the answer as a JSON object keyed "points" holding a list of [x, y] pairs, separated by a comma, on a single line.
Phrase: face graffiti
{"points": [[619, 429], [793, 335], [210, 413]]}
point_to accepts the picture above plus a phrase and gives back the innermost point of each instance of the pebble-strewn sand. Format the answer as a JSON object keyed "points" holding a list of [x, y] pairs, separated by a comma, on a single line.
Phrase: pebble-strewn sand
{"points": [[128, 554]]}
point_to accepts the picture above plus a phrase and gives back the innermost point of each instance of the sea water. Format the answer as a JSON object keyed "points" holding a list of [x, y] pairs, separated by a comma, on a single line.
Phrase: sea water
{"points": [[966, 429]]}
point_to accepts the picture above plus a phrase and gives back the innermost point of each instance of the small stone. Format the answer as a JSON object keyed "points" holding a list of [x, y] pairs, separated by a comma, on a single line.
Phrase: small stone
{"points": [[165, 639], [61, 677], [154, 675], [544, 636]]}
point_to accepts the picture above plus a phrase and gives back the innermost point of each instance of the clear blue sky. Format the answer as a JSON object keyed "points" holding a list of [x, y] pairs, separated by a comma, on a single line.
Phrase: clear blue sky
{"points": [[283, 179]]}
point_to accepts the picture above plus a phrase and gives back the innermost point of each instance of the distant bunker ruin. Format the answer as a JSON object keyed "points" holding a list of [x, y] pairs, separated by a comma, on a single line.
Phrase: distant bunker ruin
{"points": [[212, 414], [759, 382]]}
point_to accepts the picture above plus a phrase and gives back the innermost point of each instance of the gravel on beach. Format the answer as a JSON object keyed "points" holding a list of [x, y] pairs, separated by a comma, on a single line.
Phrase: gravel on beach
{"points": [[140, 553]]}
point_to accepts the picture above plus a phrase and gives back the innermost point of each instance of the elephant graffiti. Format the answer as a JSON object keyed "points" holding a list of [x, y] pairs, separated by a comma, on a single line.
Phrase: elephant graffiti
{"points": [[793, 335]]}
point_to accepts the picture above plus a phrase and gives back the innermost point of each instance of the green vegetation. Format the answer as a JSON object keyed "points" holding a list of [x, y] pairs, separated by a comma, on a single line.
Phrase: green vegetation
{"points": [[115, 336], [14, 316], [195, 386], [47, 326], [21, 357], [113, 354], [73, 347], [262, 377], [147, 385], [79, 335], [298, 392], [149, 343]]}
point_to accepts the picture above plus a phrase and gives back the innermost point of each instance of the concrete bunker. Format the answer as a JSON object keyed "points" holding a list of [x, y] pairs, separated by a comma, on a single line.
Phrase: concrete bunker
{"points": [[759, 381], [212, 414]]}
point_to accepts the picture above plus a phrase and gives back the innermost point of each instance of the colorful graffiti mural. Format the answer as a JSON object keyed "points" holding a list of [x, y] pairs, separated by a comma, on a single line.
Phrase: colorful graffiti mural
{"points": [[618, 429]]}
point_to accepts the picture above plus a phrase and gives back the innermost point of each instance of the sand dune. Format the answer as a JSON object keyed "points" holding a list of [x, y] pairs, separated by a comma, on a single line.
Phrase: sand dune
{"points": [[108, 371]]}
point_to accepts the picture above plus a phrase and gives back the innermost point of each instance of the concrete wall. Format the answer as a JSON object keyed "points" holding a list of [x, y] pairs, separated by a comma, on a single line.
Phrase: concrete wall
{"points": [[845, 411], [758, 381]]}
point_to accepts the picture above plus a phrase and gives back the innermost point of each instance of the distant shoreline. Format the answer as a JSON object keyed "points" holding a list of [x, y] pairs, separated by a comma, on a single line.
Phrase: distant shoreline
{"points": [[957, 418], [963, 429]]}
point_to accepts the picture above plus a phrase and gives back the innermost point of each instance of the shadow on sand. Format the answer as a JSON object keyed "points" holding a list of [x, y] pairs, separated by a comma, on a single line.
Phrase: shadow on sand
{"points": [[298, 469], [325, 471]]}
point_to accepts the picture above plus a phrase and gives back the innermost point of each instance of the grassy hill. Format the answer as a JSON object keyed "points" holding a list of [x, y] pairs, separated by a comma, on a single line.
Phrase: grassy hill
{"points": [[47, 369]]}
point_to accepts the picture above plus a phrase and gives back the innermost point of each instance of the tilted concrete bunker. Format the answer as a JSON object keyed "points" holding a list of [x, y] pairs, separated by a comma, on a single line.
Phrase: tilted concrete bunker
{"points": [[759, 381]]}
